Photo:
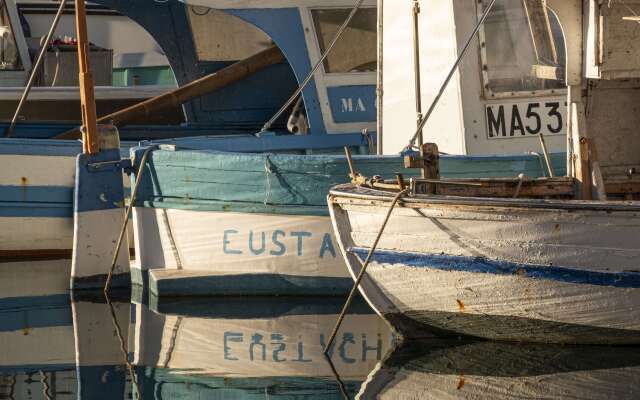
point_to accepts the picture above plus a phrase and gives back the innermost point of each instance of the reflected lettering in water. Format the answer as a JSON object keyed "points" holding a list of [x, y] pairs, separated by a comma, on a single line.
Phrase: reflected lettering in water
{"points": [[80, 346]]}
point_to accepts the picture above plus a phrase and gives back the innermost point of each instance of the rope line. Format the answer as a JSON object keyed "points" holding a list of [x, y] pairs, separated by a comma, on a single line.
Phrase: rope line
{"points": [[35, 68], [362, 271], [123, 231]]}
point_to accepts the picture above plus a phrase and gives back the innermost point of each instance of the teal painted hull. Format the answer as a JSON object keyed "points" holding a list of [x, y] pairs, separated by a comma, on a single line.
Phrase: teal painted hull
{"points": [[217, 224], [291, 184]]}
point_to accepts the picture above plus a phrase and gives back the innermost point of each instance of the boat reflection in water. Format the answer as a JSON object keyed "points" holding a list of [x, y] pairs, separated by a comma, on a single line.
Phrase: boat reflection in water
{"points": [[456, 369], [57, 346], [54, 345], [80, 346], [257, 347]]}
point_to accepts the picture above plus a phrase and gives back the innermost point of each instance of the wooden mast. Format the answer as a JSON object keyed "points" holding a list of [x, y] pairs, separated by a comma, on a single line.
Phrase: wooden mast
{"points": [[90, 140]]}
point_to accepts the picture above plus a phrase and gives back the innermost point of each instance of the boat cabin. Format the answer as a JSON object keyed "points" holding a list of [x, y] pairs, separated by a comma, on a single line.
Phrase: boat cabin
{"points": [[24, 25], [597, 71], [203, 36], [508, 89]]}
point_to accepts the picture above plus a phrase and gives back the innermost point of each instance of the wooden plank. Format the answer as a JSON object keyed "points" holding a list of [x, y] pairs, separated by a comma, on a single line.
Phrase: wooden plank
{"points": [[506, 187], [90, 140], [581, 151], [227, 76]]}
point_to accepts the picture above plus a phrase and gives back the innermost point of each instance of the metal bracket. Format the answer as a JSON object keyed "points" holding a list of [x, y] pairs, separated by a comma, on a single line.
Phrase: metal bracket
{"points": [[123, 164]]}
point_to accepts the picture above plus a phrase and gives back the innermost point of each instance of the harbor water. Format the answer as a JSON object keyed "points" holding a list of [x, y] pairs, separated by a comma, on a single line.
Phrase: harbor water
{"points": [[56, 344]]}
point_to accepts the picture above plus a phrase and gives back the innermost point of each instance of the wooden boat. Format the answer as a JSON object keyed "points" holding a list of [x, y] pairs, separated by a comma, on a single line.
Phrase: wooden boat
{"points": [[54, 100], [208, 222], [213, 223], [518, 259], [36, 193], [455, 369]]}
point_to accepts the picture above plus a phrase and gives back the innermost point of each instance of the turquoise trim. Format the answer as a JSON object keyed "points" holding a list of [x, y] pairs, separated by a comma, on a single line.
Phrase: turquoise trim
{"points": [[285, 183], [140, 76], [237, 207], [17, 313], [39, 209]]}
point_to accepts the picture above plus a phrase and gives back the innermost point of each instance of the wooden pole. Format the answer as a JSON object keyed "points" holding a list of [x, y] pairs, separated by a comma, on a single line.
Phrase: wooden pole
{"points": [[545, 152], [200, 87], [90, 139]]}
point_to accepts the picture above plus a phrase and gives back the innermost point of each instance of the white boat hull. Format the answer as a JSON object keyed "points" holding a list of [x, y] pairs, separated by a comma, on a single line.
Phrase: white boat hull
{"points": [[36, 199], [187, 252], [544, 271]]}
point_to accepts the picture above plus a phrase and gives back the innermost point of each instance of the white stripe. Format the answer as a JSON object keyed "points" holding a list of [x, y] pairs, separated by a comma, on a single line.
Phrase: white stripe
{"points": [[26, 170], [35, 233], [38, 346]]}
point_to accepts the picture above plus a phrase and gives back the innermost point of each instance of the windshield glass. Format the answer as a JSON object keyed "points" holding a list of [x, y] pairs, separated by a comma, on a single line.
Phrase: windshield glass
{"points": [[355, 51], [524, 47]]}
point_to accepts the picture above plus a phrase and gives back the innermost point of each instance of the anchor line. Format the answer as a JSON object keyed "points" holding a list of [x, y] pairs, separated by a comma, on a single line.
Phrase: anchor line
{"points": [[134, 194], [356, 284], [172, 239]]}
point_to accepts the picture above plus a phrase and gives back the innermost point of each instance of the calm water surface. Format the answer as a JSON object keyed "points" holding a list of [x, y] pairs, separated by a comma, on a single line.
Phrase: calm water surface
{"points": [[57, 345]]}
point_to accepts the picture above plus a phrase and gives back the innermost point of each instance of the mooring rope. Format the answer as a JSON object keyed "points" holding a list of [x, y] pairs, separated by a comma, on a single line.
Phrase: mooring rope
{"points": [[123, 231], [362, 271]]}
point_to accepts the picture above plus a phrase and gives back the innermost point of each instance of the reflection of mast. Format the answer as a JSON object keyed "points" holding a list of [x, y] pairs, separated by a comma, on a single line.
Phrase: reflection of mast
{"points": [[90, 142]]}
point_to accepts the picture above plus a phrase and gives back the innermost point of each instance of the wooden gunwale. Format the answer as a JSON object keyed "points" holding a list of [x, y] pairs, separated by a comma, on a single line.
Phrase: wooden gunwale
{"points": [[348, 193]]}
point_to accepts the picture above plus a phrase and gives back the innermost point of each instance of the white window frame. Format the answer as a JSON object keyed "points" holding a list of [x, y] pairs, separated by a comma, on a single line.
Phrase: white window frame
{"points": [[325, 80], [486, 89]]}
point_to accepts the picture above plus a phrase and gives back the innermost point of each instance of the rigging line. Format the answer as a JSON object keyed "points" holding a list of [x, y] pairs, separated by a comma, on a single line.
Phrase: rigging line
{"points": [[123, 230], [358, 279], [433, 105], [35, 68], [306, 81]]}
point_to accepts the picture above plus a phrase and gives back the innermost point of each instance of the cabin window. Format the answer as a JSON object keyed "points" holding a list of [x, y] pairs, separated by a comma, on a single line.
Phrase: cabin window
{"points": [[524, 48], [9, 56], [355, 51]]}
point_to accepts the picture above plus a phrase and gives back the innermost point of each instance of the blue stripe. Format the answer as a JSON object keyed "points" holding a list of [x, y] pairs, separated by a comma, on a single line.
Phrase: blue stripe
{"points": [[486, 266], [28, 193], [21, 209], [31, 368], [48, 147], [17, 313], [248, 285]]}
